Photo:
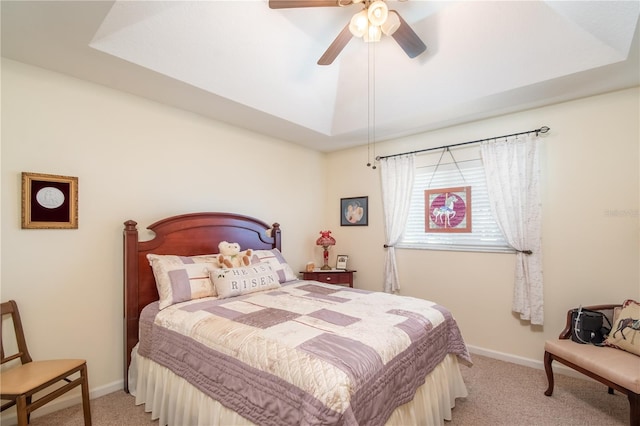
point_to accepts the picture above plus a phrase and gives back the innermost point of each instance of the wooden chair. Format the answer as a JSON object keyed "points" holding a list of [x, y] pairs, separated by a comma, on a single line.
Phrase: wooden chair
{"points": [[18, 384]]}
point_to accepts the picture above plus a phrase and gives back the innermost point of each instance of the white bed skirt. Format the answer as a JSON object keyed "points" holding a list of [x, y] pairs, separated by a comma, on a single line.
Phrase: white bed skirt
{"points": [[176, 402]]}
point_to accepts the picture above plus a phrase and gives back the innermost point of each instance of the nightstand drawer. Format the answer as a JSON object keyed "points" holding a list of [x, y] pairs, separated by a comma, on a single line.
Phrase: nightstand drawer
{"points": [[336, 277]]}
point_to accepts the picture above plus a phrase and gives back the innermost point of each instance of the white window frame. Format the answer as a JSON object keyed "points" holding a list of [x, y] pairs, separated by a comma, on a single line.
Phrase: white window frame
{"points": [[466, 170]]}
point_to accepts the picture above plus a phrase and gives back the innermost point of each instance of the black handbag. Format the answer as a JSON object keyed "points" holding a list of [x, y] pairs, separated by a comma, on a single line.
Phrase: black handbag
{"points": [[587, 326]]}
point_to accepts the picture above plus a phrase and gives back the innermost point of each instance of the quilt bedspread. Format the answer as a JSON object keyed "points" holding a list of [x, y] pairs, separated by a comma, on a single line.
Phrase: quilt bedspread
{"points": [[306, 353]]}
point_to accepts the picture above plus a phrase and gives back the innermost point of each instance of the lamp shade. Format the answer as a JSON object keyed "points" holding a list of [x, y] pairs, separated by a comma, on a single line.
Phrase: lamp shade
{"points": [[326, 239], [373, 33], [391, 24], [359, 23], [377, 12]]}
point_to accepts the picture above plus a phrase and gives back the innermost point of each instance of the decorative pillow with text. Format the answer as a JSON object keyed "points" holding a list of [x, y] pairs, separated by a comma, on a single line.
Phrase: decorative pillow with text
{"points": [[231, 282]]}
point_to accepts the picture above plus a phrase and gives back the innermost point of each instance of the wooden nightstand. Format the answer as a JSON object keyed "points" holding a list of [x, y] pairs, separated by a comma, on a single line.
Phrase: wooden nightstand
{"points": [[333, 276]]}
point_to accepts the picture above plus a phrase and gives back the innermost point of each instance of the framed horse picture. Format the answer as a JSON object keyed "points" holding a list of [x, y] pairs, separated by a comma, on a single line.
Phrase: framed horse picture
{"points": [[448, 209]]}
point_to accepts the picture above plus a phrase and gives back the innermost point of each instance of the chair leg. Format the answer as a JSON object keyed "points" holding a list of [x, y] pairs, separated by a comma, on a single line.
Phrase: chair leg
{"points": [[548, 358], [86, 405], [28, 411], [21, 410], [634, 409]]}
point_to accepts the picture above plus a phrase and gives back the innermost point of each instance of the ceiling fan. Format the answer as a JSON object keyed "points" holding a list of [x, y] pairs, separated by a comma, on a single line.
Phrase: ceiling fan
{"points": [[370, 23]]}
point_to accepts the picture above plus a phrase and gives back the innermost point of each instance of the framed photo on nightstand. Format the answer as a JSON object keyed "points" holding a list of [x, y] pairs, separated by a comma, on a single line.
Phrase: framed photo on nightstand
{"points": [[341, 262]]}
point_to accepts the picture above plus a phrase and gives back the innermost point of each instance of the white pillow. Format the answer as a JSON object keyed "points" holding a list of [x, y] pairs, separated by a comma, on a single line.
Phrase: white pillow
{"points": [[230, 282], [182, 278], [274, 258]]}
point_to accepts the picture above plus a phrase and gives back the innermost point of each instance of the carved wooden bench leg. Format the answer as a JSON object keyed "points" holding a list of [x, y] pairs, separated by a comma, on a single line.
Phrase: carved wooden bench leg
{"points": [[634, 405], [548, 358]]}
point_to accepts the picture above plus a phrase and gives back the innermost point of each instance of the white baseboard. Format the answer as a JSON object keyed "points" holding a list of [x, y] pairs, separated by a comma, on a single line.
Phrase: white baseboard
{"points": [[9, 417], [527, 362]]}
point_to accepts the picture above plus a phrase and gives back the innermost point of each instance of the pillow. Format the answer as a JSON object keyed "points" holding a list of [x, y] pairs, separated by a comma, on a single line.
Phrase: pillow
{"points": [[274, 258], [182, 278], [625, 333], [230, 282]]}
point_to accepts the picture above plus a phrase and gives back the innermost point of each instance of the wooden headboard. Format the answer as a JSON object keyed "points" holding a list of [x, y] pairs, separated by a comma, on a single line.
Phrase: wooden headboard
{"points": [[184, 235]]}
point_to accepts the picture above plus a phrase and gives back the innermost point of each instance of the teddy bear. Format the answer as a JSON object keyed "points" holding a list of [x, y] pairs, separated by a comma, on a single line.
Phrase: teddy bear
{"points": [[231, 256]]}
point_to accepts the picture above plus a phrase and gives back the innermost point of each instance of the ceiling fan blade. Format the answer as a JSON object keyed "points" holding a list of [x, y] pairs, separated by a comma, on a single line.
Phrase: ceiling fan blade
{"points": [[408, 39], [336, 47], [286, 4]]}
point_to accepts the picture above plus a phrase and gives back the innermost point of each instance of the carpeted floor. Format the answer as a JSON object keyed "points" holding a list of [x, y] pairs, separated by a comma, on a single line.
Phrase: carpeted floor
{"points": [[500, 393]]}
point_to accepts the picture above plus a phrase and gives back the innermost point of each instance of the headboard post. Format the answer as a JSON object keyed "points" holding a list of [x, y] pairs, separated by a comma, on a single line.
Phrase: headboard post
{"points": [[130, 292], [276, 235]]}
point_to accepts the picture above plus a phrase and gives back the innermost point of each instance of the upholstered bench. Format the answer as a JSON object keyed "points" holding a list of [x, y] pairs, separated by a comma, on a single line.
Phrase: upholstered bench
{"points": [[613, 367]]}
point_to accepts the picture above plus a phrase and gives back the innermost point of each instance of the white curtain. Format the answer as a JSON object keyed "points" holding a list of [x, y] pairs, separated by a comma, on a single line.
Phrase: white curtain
{"points": [[397, 182], [511, 167]]}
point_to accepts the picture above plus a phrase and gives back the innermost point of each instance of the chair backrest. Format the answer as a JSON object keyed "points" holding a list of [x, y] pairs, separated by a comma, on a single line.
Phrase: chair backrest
{"points": [[11, 308]]}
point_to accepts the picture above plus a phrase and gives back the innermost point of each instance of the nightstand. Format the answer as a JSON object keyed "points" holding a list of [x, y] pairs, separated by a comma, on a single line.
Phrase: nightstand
{"points": [[333, 276]]}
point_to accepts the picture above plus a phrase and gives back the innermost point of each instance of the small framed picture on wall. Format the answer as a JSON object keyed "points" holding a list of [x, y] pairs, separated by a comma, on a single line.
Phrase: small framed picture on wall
{"points": [[49, 201], [354, 211], [341, 262]]}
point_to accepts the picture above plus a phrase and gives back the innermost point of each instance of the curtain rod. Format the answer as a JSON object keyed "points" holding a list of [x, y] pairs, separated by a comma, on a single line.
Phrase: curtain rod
{"points": [[543, 129]]}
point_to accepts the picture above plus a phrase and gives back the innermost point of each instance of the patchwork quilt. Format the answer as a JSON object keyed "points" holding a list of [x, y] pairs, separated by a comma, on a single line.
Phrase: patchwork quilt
{"points": [[307, 353]]}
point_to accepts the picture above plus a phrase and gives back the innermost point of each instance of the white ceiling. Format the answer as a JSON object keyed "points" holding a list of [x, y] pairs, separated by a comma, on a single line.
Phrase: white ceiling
{"points": [[245, 64]]}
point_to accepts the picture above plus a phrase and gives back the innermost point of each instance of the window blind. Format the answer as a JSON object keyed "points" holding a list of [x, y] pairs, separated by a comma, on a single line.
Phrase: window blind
{"points": [[485, 235]]}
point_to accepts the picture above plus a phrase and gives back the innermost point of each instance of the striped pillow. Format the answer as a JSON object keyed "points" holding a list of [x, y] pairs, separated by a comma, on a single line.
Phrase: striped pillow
{"points": [[182, 278], [274, 258]]}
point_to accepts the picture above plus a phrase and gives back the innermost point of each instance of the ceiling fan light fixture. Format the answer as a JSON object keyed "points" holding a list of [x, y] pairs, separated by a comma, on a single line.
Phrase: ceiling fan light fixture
{"points": [[377, 12], [391, 24], [359, 24], [373, 34]]}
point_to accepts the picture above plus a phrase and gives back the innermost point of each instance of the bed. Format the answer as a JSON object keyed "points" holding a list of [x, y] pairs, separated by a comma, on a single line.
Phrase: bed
{"points": [[291, 352]]}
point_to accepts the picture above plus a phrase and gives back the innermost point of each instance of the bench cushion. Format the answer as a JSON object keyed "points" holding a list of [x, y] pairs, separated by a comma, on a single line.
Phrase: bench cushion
{"points": [[613, 364]]}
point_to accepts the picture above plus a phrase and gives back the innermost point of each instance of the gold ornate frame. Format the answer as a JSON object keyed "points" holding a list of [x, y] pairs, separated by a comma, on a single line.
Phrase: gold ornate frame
{"points": [[49, 201]]}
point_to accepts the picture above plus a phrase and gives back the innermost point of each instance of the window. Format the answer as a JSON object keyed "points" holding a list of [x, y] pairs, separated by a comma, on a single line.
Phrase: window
{"points": [[485, 234]]}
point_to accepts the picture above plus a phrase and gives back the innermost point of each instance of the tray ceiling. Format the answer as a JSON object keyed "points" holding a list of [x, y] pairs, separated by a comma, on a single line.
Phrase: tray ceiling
{"points": [[253, 67]]}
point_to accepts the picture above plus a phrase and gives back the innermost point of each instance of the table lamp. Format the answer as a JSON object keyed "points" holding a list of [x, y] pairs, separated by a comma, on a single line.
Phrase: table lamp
{"points": [[325, 241]]}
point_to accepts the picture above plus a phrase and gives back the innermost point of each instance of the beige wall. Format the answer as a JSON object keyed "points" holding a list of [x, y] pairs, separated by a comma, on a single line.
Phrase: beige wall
{"points": [[590, 186], [137, 160]]}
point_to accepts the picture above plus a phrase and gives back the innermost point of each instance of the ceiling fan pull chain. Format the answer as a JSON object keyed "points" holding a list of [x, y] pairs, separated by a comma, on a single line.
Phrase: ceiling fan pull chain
{"points": [[368, 106], [372, 64]]}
